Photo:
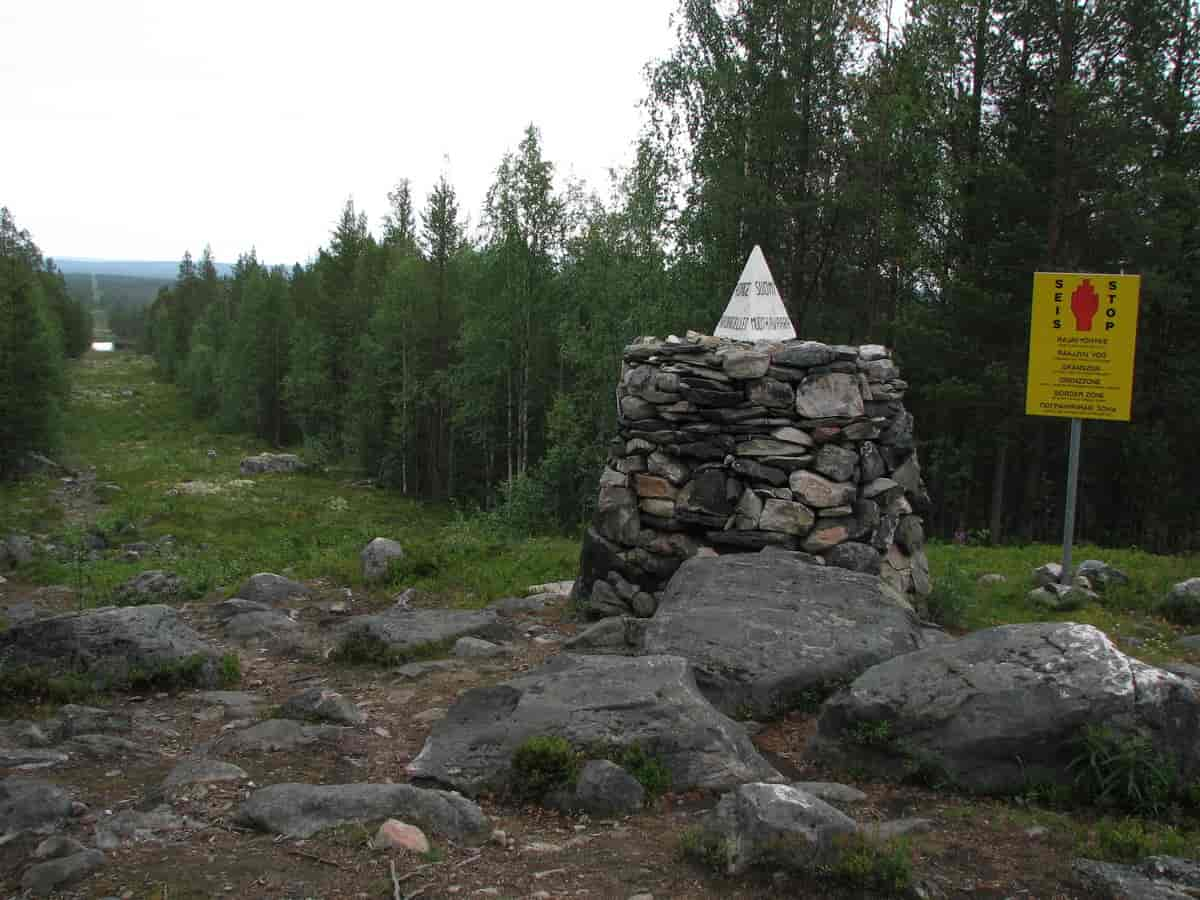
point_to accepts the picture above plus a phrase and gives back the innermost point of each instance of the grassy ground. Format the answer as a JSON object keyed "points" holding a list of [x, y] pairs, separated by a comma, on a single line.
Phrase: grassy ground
{"points": [[1127, 613], [138, 434]]}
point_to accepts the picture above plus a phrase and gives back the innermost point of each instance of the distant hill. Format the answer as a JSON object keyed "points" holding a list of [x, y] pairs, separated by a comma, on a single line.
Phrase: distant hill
{"points": [[114, 291], [163, 272]]}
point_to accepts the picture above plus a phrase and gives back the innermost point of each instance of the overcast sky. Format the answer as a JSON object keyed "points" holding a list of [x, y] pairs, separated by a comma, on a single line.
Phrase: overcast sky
{"points": [[138, 130]]}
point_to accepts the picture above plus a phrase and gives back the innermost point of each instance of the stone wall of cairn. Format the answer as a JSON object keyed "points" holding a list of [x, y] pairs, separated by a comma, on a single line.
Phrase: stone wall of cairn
{"points": [[729, 447]]}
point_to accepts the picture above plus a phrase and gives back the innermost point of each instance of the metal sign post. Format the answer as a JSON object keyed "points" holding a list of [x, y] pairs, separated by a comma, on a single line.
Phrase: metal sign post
{"points": [[1069, 513]]}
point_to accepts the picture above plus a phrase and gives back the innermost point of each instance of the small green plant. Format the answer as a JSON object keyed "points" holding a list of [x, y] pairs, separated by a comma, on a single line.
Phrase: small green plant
{"points": [[704, 847], [540, 765], [1124, 770], [951, 599], [648, 768], [435, 855], [230, 670], [871, 734], [884, 869]]}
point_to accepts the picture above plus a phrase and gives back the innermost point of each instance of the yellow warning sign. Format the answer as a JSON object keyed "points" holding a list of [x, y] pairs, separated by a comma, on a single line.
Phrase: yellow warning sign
{"points": [[1081, 343]]}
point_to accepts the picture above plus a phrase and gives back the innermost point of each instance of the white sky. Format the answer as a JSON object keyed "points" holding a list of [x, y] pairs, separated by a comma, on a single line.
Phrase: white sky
{"points": [[138, 130]]}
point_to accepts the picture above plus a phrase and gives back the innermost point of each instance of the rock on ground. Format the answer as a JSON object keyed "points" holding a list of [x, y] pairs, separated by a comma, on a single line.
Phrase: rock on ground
{"points": [[377, 558], [767, 632], [271, 462], [605, 789], [396, 835], [270, 589], [110, 642], [1182, 603], [201, 771], [250, 620], [325, 705], [406, 630], [756, 822], [275, 735], [30, 804], [132, 826], [43, 878], [1154, 878], [301, 810], [1001, 708], [651, 701], [154, 584]]}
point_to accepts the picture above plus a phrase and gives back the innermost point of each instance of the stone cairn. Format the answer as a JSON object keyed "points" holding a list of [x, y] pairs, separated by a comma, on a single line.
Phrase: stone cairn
{"points": [[731, 447]]}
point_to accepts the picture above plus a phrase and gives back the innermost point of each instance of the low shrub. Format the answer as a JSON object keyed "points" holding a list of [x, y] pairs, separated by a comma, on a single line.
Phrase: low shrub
{"points": [[541, 764], [883, 869], [704, 847], [950, 601]]}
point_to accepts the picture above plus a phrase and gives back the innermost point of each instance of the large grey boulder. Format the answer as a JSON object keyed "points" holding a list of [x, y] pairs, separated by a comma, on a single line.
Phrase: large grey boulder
{"points": [[768, 632], [301, 810], [108, 643], [651, 701], [404, 631], [30, 804], [1002, 708], [1154, 878], [266, 463], [754, 822], [271, 589]]}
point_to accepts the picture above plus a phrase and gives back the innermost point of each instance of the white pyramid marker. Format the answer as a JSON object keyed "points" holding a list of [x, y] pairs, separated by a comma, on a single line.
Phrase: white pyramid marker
{"points": [[755, 311]]}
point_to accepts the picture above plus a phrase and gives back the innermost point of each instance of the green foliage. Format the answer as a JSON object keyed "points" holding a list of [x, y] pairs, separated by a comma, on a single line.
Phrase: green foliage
{"points": [[1124, 770], [27, 685], [877, 734], [35, 685], [230, 670], [704, 847], [647, 767], [541, 764], [1130, 840], [949, 603], [884, 869]]}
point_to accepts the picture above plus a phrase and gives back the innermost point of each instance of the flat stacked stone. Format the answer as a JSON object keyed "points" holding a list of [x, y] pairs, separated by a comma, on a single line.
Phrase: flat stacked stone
{"points": [[730, 447]]}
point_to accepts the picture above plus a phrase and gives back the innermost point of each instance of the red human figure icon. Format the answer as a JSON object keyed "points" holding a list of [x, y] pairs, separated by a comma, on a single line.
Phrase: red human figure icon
{"points": [[1084, 303]]}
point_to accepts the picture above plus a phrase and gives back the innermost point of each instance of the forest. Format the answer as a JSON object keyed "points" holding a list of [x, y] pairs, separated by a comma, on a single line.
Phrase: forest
{"points": [[905, 179]]}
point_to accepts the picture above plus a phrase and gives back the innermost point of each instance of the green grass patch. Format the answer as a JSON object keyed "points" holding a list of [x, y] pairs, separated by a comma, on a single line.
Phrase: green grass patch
{"points": [[1129, 840], [647, 767], [140, 435]]}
